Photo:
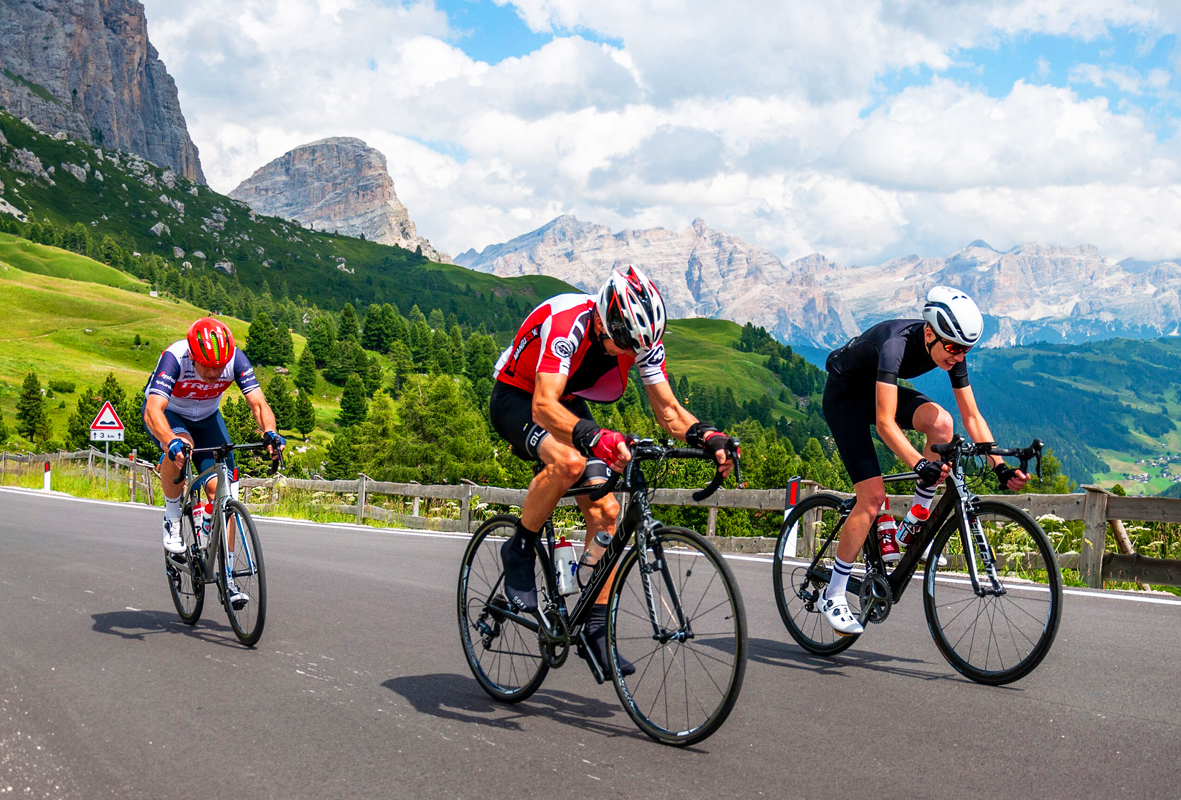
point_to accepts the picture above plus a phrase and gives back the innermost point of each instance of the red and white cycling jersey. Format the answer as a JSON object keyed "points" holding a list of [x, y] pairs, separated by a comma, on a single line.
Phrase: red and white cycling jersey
{"points": [[558, 337], [190, 395]]}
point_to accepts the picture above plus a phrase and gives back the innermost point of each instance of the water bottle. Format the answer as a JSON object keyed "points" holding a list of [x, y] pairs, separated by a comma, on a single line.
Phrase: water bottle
{"points": [[912, 521], [198, 520], [207, 522], [887, 526], [564, 566], [594, 551]]}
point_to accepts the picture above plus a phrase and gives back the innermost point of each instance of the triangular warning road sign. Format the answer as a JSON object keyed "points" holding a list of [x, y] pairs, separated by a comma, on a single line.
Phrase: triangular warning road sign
{"points": [[107, 419]]}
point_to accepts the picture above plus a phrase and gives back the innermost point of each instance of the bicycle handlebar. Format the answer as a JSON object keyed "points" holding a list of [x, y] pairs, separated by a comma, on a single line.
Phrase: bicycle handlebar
{"points": [[647, 450], [958, 446], [222, 450]]}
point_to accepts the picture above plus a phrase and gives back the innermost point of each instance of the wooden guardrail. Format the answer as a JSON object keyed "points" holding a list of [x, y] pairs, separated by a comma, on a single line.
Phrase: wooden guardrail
{"points": [[1096, 507]]}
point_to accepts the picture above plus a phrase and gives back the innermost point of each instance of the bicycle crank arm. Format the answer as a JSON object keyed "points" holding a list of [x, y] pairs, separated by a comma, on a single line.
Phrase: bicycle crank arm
{"points": [[503, 613]]}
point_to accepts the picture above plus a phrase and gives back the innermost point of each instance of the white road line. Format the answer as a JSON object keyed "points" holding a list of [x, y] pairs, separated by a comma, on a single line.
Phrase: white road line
{"points": [[350, 526]]}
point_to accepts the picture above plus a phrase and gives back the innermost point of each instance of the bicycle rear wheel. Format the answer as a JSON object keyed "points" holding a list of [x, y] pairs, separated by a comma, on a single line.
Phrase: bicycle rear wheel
{"points": [[246, 618], [504, 655], [688, 646], [996, 636], [188, 592], [797, 586]]}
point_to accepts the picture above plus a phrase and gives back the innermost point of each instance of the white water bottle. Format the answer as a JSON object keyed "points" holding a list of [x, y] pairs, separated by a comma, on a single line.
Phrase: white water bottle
{"points": [[913, 519], [198, 520], [564, 566], [206, 522]]}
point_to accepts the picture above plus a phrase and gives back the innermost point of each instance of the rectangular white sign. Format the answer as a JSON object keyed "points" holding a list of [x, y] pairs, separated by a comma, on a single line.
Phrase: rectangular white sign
{"points": [[106, 436]]}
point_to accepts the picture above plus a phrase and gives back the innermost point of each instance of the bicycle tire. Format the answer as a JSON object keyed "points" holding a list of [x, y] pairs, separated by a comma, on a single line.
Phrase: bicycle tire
{"points": [[188, 593], [504, 656], [795, 592], [716, 651], [1035, 600], [249, 573]]}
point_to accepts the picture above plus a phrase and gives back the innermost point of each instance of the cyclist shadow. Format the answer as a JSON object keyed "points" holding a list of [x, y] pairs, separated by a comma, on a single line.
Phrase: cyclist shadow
{"points": [[459, 698], [138, 625], [783, 654]]}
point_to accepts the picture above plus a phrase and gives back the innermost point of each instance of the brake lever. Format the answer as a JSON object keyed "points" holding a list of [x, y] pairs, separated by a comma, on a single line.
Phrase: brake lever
{"points": [[188, 454]]}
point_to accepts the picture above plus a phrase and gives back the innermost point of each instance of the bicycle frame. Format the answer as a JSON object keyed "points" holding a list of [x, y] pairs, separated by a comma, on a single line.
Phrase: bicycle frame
{"points": [[208, 551]]}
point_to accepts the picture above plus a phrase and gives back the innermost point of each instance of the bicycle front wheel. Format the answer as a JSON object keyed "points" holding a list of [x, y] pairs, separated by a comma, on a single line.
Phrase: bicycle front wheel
{"points": [[675, 612], [504, 655], [188, 592], [245, 564], [994, 634], [798, 584]]}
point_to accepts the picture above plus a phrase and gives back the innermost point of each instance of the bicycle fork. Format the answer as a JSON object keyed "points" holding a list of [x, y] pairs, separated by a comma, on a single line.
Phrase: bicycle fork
{"points": [[972, 534]]}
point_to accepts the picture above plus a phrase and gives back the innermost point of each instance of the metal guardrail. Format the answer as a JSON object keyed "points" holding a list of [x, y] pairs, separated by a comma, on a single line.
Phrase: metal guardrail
{"points": [[1096, 507]]}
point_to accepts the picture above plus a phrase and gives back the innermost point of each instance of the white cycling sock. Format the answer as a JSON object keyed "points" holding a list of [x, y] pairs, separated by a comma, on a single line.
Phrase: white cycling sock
{"points": [[923, 496], [171, 508], [839, 579], [230, 563]]}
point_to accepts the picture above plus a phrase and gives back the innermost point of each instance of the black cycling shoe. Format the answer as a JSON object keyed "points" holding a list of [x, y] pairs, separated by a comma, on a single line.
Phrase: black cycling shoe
{"points": [[520, 584], [596, 634]]}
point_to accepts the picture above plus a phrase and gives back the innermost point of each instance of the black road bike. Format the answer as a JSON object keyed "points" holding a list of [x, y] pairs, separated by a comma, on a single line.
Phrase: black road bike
{"points": [[993, 610], [203, 560], [674, 611]]}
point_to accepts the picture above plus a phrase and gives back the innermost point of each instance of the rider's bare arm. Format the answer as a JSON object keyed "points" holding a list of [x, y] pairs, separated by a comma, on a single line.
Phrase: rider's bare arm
{"points": [[156, 421], [263, 415], [548, 411], [886, 399], [676, 419], [978, 431]]}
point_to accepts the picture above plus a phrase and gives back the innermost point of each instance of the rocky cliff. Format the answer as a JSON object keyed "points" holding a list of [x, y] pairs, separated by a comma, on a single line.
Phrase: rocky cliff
{"points": [[86, 67], [1030, 293], [338, 184]]}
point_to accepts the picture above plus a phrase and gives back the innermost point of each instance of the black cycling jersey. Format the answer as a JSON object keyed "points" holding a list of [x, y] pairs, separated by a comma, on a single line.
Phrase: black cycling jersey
{"points": [[886, 352]]}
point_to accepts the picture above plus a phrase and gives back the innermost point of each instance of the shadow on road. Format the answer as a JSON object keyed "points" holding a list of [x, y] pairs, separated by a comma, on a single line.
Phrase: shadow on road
{"points": [[781, 654], [137, 625], [459, 698]]}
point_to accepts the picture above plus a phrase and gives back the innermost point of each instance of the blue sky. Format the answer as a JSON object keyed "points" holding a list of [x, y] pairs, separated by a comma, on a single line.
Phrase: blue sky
{"points": [[492, 33]]}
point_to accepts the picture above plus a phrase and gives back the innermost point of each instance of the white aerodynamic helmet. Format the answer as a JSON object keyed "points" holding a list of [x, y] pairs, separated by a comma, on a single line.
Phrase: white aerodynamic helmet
{"points": [[953, 316], [631, 309]]}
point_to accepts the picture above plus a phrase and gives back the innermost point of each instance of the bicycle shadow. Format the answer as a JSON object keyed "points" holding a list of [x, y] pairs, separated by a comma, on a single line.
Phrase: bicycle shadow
{"points": [[138, 625], [782, 654], [458, 698]]}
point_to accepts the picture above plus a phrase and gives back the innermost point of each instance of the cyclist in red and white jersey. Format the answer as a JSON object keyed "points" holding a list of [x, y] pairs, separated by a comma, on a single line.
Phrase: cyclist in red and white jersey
{"points": [[573, 348], [181, 406]]}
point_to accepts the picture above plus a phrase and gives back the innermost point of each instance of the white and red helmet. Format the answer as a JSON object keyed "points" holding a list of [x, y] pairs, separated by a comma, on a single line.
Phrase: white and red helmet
{"points": [[631, 309]]}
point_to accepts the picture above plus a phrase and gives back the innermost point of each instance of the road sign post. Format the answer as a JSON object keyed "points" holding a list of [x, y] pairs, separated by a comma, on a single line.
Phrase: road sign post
{"points": [[107, 428]]}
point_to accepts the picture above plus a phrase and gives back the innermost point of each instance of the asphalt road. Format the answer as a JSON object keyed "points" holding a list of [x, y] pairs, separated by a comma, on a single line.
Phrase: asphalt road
{"points": [[359, 689]]}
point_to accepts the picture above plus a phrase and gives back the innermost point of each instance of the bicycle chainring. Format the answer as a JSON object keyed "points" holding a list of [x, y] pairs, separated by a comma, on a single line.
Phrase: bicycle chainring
{"points": [[876, 598], [554, 653]]}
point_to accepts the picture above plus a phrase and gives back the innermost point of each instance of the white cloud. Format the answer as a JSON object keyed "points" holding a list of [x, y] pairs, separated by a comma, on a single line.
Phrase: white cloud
{"points": [[765, 118]]}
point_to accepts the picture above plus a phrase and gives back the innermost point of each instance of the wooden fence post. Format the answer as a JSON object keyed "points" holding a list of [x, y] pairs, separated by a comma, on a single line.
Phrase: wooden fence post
{"points": [[1094, 536], [362, 478], [3, 468], [90, 462], [414, 508], [465, 508], [711, 525], [131, 475]]}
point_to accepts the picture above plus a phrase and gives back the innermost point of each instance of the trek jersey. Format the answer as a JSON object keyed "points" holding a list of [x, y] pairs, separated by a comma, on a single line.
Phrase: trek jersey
{"points": [[886, 352], [189, 395], [558, 337]]}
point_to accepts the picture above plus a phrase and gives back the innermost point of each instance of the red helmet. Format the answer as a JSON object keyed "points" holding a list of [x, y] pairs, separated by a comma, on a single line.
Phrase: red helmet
{"points": [[210, 343]]}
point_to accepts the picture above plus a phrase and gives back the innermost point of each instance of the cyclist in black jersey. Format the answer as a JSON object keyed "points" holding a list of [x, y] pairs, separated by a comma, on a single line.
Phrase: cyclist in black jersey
{"points": [[863, 391]]}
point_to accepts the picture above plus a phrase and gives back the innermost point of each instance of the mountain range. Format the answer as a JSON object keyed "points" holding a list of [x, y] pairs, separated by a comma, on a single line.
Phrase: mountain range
{"points": [[1030, 293]]}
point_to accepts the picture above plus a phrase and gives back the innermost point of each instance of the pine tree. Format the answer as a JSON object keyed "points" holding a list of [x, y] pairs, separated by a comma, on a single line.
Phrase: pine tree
{"points": [[321, 336], [260, 340], [353, 402], [305, 372], [3, 430], [305, 415], [281, 403], [378, 328], [348, 324], [341, 457], [30, 408], [284, 352]]}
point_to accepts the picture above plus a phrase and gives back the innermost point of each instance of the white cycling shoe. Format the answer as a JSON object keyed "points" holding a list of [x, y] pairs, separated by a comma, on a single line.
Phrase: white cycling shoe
{"points": [[840, 618], [238, 598], [173, 542], [927, 554]]}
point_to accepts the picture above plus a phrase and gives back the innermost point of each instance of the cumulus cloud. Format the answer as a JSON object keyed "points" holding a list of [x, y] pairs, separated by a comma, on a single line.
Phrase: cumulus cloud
{"points": [[768, 119]]}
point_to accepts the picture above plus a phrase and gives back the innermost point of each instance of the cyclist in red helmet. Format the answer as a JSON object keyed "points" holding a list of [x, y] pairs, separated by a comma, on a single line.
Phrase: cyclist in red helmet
{"points": [[573, 348], [181, 406]]}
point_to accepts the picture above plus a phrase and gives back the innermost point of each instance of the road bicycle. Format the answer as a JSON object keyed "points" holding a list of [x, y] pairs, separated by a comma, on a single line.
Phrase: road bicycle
{"points": [[203, 560], [993, 610], [674, 611]]}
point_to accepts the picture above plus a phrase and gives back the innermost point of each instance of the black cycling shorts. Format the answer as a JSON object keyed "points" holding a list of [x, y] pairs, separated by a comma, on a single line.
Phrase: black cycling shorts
{"points": [[851, 410], [511, 410]]}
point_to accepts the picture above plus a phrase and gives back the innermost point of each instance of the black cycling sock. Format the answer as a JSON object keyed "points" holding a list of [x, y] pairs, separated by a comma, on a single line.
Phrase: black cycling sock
{"points": [[525, 539]]}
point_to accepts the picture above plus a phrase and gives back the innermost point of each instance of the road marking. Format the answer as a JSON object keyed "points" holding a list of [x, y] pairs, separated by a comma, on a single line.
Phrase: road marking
{"points": [[351, 526]]}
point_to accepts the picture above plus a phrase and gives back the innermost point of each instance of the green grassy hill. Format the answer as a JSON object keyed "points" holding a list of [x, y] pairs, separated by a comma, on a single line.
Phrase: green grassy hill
{"points": [[124, 197]]}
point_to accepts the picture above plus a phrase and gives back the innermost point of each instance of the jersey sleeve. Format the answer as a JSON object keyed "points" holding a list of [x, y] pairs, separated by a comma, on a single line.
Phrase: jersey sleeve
{"points": [[959, 375], [244, 373], [890, 356], [650, 365], [561, 337], [165, 376]]}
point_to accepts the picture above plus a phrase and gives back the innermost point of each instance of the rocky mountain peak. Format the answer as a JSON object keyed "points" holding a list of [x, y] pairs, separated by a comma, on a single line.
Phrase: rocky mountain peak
{"points": [[86, 68], [339, 184]]}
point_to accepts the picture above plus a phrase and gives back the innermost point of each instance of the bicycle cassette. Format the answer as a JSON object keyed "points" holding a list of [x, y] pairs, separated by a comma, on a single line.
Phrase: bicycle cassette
{"points": [[876, 599]]}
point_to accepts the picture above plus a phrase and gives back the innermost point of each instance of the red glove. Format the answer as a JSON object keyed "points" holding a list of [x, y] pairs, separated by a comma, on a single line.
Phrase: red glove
{"points": [[606, 447]]}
